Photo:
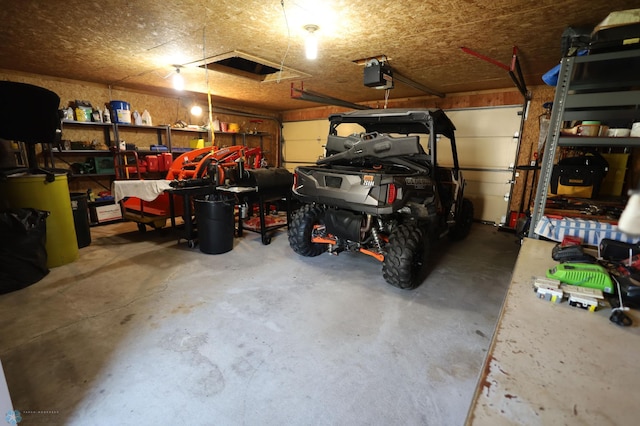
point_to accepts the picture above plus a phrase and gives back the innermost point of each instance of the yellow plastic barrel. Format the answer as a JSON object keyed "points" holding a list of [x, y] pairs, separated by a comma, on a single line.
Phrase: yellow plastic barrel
{"points": [[33, 191]]}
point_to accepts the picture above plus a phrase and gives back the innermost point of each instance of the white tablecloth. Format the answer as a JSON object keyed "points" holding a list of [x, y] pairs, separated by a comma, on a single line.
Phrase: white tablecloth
{"points": [[147, 190]]}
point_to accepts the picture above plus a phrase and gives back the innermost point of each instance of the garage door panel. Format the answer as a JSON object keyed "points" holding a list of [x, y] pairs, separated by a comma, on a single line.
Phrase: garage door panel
{"points": [[479, 187], [303, 150], [347, 129], [493, 153], [303, 142], [488, 208], [305, 130], [496, 152], [488, 177], [487, 190], [488, 122], [485, 140]]}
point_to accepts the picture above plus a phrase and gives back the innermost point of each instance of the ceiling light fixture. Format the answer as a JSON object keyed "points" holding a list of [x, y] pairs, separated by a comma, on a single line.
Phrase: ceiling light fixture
{"points": [[311, 41], [178, 80], [196, 110]]}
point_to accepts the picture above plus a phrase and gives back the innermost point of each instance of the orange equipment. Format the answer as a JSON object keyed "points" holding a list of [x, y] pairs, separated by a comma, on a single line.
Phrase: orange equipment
{"points": [[200, 162], [208, 166]]}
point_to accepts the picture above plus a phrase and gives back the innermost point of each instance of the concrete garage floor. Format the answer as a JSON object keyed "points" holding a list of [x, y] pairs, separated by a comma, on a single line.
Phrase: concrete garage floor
{"points": [[142, 330]]}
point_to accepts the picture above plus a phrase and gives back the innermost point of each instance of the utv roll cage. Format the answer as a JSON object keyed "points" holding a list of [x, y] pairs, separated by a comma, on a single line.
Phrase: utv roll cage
{"points": [[401, 121]]}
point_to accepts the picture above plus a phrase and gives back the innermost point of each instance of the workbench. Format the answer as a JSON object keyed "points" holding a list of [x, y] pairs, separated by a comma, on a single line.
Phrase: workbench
{"points": [[556, 364]]}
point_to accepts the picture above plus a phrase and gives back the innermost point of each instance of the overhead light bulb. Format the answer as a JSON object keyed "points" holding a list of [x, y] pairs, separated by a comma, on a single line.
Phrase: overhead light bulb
{"points": [[311, 41], [196, 110], [178, 80]]}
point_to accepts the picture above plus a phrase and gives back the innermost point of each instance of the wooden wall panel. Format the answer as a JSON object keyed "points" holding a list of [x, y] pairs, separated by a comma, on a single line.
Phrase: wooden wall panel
{"points": [[525, 183]]}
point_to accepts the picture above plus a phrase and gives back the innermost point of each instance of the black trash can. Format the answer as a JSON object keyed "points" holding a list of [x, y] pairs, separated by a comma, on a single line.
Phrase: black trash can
{"points": [[81, 218], [23, 252], [216, 225]]}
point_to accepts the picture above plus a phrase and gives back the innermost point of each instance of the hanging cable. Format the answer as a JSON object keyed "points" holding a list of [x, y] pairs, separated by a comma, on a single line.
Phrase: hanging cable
{"points": [[284, 12], [210, 132]]}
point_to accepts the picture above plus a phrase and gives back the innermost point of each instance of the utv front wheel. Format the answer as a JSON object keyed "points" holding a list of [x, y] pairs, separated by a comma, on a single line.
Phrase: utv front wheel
{"points": [[463, 222], [301, 228], [405, 257]]}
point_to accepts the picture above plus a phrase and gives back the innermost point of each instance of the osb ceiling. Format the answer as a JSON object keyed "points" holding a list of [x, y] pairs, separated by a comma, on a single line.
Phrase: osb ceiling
{"points": [[132, 44]]}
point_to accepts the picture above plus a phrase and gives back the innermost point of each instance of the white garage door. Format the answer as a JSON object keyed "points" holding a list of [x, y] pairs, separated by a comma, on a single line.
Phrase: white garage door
{"points": [[303, 142], [486, 141]]}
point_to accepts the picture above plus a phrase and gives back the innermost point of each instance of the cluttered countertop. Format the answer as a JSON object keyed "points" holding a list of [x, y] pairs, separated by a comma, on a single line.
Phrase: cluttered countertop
{"points": [[552, 363]]}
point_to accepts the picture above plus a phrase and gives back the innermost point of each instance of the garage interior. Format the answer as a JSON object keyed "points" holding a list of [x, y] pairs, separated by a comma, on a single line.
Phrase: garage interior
{"points": [[145, 328]]}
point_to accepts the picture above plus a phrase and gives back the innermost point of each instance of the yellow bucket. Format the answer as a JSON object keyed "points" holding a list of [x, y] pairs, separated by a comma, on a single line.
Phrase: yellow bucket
{"points": [[33, 191]]}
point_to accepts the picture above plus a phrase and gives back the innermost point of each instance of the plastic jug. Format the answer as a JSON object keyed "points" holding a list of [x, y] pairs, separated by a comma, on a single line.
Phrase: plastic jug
{"points": [[146, 118]]}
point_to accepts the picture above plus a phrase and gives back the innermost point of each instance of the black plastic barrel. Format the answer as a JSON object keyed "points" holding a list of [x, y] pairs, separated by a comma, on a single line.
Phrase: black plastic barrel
{"points": [[81, 218], [216, 225]]}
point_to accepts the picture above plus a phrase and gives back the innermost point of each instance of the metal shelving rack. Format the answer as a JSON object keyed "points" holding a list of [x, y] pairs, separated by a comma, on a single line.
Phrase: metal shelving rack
{"points": [[162, 132], [603, 87]]}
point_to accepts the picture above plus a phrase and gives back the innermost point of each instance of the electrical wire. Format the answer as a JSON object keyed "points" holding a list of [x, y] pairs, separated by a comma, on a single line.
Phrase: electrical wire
{"points": [[284, 12]]}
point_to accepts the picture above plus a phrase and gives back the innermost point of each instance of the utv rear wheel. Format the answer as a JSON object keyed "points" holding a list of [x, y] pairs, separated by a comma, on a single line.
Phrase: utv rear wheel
{"points": [[463, 222], [301, 228], [405, 257]]}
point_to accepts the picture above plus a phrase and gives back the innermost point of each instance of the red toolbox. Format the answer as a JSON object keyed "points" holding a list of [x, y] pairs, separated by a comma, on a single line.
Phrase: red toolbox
{"points": [[164, 161], [134, 171], [152, 163]]}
